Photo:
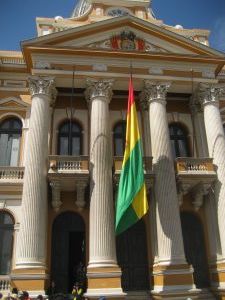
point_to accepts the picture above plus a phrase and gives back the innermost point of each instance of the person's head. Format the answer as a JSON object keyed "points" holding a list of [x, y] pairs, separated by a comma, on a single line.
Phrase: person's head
{"points": [[1, 296], [102, 298], [25, 295], [40, 297], [14, 291]]}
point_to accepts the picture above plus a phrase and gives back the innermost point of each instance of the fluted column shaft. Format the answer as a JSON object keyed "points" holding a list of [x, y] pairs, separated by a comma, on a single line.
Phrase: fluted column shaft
{"points": [[199, 129], [170, 247], [32, 235], [102, 243], [146, 126], [209, 96]]}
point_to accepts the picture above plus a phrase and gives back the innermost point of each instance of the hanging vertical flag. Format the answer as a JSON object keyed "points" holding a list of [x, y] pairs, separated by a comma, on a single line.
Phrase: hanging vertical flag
{"points": [[131, 202]]}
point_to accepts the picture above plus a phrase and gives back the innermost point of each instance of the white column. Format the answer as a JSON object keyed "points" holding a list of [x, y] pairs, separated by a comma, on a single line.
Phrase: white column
{"points": [[209, 96], [146, 126], [170, 242], [198, 129], [31, 251], [102, 237]]}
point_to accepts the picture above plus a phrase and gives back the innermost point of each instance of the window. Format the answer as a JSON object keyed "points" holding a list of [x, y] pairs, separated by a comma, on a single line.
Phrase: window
{"points": [[179, 141], [10, 136], [69, 141], [6, 242], [119, 138]]}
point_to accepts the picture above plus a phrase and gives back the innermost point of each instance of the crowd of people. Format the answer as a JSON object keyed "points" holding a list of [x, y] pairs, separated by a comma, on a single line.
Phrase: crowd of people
{"points": [[77, 294], [19, 295]]}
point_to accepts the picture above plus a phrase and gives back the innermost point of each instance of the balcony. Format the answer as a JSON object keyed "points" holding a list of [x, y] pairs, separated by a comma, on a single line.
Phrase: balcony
{"points": [[68, 173], [148, 170], [194, 176], [11, 178]]}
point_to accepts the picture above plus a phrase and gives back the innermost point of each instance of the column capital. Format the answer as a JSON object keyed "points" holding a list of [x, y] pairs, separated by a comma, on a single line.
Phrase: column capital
{"points": [[210, 94], [42, 85], [99, 89], [156, 91]]}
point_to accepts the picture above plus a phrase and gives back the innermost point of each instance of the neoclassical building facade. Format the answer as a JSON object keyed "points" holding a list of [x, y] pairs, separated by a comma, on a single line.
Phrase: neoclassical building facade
{"points": [[63, 105]]}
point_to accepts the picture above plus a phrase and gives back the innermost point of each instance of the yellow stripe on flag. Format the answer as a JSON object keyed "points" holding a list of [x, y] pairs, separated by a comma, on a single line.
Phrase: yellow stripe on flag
{"points": [[140, 207]]}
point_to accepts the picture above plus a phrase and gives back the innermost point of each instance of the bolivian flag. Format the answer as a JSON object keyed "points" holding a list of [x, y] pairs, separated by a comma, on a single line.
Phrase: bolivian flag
{"points": [[131, 199]]}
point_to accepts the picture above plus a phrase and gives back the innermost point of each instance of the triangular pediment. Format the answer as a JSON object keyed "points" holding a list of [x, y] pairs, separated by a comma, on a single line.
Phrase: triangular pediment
{"points": [[116, 34], [14, 103]]}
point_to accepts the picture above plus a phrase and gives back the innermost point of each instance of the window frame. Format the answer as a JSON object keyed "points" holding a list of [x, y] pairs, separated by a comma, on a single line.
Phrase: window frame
{"points": [[121, 136], [8, 227], [178, 137], [70, 137]]}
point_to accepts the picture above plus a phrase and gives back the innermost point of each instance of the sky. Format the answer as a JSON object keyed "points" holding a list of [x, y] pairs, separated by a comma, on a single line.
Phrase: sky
{"points": [[17, 17]]}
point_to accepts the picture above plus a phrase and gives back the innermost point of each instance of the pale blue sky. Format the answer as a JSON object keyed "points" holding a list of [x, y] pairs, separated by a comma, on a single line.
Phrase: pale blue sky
{"points": [[17, 17]]}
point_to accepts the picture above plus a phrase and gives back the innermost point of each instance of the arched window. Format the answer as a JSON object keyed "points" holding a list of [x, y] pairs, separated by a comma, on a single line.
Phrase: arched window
{"points": [[6, 242], [119, 138], [70, 138], [179, 140], [10, 136]]}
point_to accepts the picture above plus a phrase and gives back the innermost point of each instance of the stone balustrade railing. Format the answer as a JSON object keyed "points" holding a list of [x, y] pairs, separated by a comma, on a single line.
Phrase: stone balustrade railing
{"points": [[68, 164], [11, 173], [5, 283], [147, 163], [189, 164]]}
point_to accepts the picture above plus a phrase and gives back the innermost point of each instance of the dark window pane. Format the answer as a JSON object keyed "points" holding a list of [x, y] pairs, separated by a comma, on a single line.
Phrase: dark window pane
{"points": [[10, 135], [119, 135], [69, 140], [6, 242], [179, 141]]}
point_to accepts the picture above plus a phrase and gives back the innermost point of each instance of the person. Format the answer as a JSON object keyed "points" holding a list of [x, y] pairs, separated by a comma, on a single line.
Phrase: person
{"points": [[1, 296], [40, 297], [77, 292], [26, 295], [102, 298]]}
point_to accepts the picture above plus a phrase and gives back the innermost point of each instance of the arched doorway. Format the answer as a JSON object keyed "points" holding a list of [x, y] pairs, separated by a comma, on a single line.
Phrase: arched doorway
{"points": [[68, 250], [194, 247], [132, 258]]}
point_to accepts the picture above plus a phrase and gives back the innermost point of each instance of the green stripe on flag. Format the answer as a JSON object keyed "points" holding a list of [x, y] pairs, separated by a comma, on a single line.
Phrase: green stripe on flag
{"points": [[131, 181]]}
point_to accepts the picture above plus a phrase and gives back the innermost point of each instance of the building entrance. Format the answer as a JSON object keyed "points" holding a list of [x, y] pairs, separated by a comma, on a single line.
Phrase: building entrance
{"points": [[68, 251], [133, 259]]}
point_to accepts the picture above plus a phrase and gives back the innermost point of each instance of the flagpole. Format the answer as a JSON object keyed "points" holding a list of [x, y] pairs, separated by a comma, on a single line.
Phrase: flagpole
{"points": [[131, 70]]}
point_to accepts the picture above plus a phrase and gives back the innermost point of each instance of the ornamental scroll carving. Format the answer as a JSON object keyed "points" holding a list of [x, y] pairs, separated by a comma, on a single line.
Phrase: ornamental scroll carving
{"points": [[208, 93], [42, 85], [99, 88], [155, 90]]}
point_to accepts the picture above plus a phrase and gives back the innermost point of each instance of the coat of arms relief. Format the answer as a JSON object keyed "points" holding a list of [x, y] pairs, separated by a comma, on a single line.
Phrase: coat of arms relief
{"points": [[126, 40]]}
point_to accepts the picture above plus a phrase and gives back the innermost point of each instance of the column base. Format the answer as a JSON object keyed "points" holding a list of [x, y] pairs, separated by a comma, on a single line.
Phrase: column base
{"points": [[105, 281], [33, 280], [172, 281], [217, 273], [174, 294]]}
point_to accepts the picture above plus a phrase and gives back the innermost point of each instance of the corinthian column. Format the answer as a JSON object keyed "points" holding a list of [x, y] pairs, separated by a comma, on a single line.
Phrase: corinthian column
{"points": [[31, 249], [102, 251], [171, 255], [209, 96]]}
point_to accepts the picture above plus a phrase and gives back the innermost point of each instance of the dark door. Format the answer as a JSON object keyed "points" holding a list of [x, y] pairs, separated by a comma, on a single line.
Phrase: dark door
{"points": [[132, 258], [194, 247], [68, 250]]}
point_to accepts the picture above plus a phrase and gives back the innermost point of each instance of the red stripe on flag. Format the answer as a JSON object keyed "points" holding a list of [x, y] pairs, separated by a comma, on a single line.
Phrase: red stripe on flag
{"points": [[131, 96]]}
